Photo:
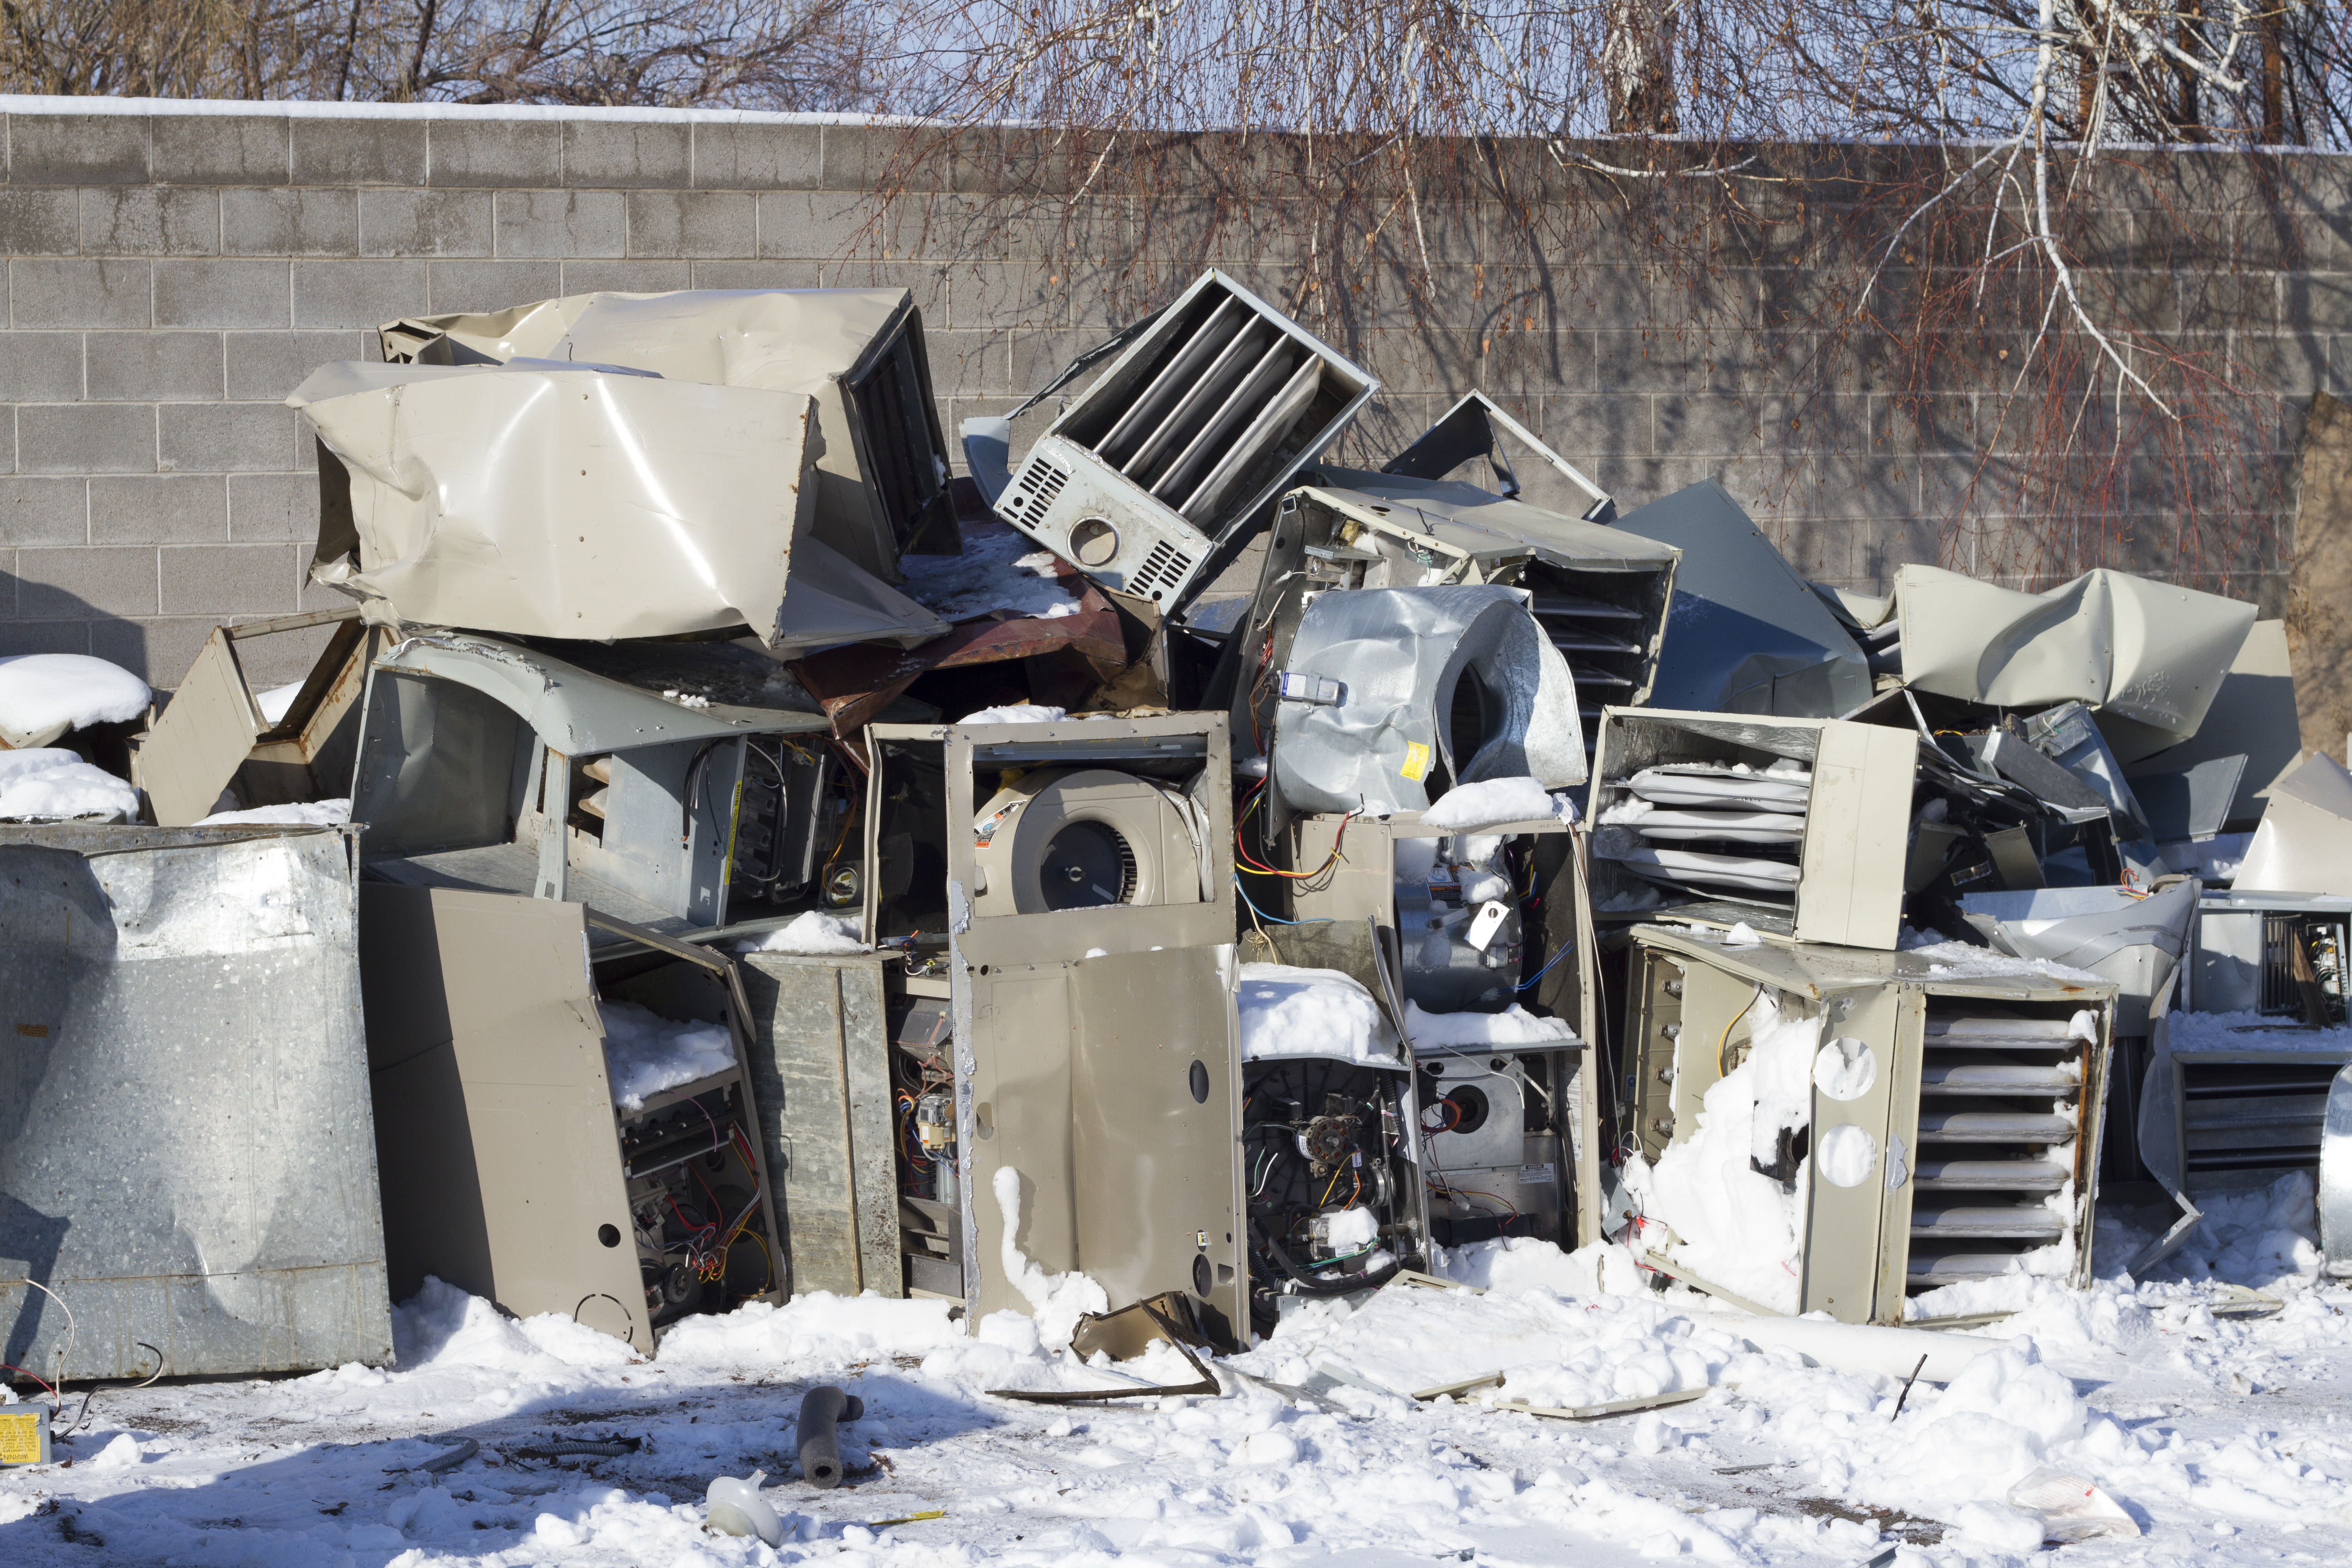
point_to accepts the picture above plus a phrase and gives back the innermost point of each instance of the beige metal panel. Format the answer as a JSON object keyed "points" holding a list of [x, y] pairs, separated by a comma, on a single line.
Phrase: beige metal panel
{"points": [[1858, 822], [1156, 1170], [1362, 884], [1901, 1070], [310, 753], [202, 736], [1718, 1020], [494, 1119], [1841, 1273], [820, 1074], [1018, 1113]]}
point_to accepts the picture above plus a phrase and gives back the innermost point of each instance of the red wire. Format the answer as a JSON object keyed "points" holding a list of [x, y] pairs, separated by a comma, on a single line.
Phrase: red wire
{"points": [[35, 1376]]}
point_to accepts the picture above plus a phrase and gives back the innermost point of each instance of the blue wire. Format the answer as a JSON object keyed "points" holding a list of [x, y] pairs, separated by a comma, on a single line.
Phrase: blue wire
{"points": [[1529, 984], [1263, 915]]}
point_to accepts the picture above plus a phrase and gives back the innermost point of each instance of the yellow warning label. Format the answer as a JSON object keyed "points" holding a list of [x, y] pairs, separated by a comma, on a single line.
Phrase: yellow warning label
{"points": [[20, 1436], [1416, 762]]}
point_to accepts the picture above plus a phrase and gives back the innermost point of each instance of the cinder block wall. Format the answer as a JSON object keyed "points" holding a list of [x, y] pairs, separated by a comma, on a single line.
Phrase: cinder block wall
{"points": [[172, 275]]}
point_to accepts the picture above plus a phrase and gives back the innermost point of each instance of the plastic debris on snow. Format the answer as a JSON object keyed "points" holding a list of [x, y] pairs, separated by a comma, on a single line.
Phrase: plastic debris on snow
{"points": [[1287, 1011], [315, 813], [1733, 1225], [1017, 713], [49, 784], [1000, 569], [1514, 1025], [645, 1053], [1489, 803], [43, 695], [812, 933]]}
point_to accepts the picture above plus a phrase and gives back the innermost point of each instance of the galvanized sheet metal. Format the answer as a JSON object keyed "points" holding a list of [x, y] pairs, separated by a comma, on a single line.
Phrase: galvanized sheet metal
{"points": [[187, 1152]]}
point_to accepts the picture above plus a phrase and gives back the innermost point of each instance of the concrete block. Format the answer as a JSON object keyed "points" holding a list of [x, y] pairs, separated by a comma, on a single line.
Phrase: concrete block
{"points": [[758, 157], [41, 367], [77, 149], [625, 277], [1585, 422], [357, 293], [224, 579], [152, 367], [626, 154], [265, 366], [150, 220], [562, 224], [491, 285], [68, 584], [425, 223], [86, 439], [497, 152], [273, 507], [159, 508], [77, 293], [968, 364], [787, 275], [302, 221], [158, 651], [221, 293], [693, 223], [39, 223], [220, 149], [44, 511], [226, 437], [812, 225], [358, 152]]}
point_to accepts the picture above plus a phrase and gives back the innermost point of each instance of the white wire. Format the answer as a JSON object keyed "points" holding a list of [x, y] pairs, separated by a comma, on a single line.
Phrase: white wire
{"points": [[57, 1383]]}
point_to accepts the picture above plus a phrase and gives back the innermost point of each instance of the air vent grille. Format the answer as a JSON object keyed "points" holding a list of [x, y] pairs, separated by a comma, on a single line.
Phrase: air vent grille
{"points": [[1161, 569], [1032, 495]]}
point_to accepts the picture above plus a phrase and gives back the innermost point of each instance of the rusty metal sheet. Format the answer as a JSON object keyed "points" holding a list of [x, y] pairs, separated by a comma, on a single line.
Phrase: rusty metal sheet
{"points": [[856, 682]]}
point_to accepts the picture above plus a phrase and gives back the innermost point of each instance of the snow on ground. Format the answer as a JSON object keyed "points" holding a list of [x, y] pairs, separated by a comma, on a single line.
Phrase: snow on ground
{"points": [[2225, 1440]]}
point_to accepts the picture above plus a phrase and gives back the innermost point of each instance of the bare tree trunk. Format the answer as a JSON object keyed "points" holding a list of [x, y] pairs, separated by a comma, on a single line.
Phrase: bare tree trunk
{"points": [[1637, 63]]}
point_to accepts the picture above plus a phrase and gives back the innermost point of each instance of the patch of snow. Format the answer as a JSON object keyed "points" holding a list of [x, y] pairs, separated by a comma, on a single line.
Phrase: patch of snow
{"points": [[2251, 1030], [316, 813], [1733, 1225], [49, 784], [1056, 1301], [815, 1327], [1287, 1011], [645, 1053], [1514, 1025], [1958, 960], [1017, 713], [277, 701], [1742, 934], [43, 695], [812, 933], [1490, 802]]}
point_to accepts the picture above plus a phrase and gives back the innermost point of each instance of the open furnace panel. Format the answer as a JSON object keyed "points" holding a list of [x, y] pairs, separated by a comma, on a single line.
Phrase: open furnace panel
{"points": [[1062, 1022], [1966, 1110]]}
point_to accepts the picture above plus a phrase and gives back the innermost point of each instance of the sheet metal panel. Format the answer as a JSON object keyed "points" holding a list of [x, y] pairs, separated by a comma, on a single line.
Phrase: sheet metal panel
{"points": [[187, 1152]]}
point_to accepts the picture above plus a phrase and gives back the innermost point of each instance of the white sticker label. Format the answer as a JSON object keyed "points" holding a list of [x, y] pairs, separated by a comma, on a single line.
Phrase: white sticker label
{"points": [[1538, 1176]]}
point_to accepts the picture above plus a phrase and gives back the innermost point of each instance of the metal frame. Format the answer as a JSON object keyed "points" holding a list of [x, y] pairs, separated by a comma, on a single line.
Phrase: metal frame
{"points": [[1850, 883]]}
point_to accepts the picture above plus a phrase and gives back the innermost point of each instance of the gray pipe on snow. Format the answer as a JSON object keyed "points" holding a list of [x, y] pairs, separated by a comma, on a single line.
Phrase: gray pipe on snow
{"points": [[822, 1409]]}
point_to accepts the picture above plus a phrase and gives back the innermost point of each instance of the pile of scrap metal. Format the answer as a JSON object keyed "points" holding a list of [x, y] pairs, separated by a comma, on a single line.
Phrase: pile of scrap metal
{"points": [[977, 876]]}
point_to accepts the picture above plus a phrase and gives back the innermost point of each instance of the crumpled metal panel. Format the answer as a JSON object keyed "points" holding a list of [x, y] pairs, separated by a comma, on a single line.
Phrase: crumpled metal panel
{"points": [[2133, 940], [187, 1152], [2305, 842], [1746, 635], [2150, 653], [1398, 655], [540, 499]]}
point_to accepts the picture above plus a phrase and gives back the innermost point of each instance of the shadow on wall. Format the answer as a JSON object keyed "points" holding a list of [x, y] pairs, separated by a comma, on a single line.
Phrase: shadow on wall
{"points": [[41, 617]]}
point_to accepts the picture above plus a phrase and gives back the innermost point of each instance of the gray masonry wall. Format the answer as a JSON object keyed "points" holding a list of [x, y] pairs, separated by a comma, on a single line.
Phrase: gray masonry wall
{"points": [[172, 276]]}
